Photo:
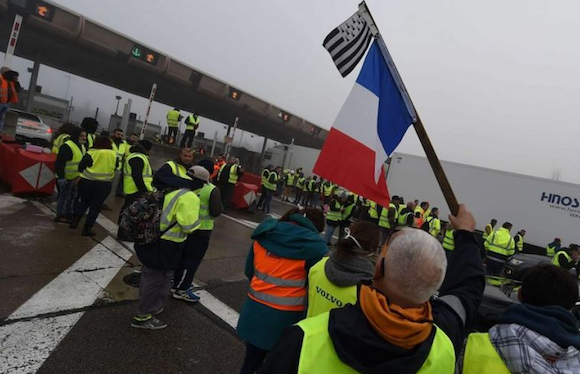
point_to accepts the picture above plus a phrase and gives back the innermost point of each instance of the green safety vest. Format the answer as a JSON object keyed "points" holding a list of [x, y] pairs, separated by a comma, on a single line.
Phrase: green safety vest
{"points": [[120, 149], [204, 194], [347, 211], [264, 177], [271, 185], [318, 355], [384, 220], [323, 295], [71, 168], [312, 186], [182, 206], [550, 251], [556, 259], [327, 189], [520, 243], [373, 212], [449, 240], [334, 216], [290, 179], [403, 217], [501, 242], [306, 184], [173, 118], [233, 177], [193, 122], [178, 170], [58, 142], [129, 186], [104, 165], [481, 357], [434, 225], [91, 140], [300, 183]]}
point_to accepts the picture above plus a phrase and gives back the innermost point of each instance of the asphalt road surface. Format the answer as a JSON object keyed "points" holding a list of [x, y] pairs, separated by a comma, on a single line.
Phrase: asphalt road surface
{"points": [[67, 300]]}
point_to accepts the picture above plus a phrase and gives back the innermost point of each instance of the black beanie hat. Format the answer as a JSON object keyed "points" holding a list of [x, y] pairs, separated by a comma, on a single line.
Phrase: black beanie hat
{"points": [[207, 163], [146, 144]]}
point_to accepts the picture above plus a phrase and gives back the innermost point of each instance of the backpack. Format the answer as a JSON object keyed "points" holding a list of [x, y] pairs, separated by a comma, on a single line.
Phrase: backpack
{"points": [[142, 218]]}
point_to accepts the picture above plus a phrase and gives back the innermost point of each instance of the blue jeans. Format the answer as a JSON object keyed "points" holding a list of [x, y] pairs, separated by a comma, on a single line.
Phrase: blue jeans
{"points": [[3, 110], [328, 232], [268, 200], [66, 199]]}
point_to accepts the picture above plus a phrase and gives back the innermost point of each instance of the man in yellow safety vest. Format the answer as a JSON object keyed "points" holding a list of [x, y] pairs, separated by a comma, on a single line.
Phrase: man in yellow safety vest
{"points": [[395, 326], [500, 246], [173, 119], [540, 335], [191, 126]]}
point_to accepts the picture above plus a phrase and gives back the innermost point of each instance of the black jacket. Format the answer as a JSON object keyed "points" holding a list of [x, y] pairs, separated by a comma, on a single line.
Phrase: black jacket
{"points": [[361, 347], [137, 166], [164, 179]]}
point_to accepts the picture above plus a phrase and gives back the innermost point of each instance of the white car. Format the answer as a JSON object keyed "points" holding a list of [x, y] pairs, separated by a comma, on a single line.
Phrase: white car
{"points": [[30, 128]]}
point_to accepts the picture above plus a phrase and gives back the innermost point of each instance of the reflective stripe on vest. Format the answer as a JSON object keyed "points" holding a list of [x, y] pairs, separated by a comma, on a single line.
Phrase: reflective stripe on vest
{"points": [[270, 185], [449, 240], [173, 118], [204, 194], [327, 189], [300, 183], [323, 295], [501, 242], [264, 176], [434, 225], [91, 140], [520, 243], [290, 180], [403, 218], [278, 282], [233, 178], [103, 168], [319, 356], [481, 357], [192, 122], [556, 259], [178, 233], [334, 215], [71, 168], [178, 170], [373, 212], [120, 151], [58, 142], [384, 220], [129, 185], [550, 251]]}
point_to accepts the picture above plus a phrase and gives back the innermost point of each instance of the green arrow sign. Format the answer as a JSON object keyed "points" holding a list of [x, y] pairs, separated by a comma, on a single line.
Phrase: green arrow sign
{"points": [[136, 52]]}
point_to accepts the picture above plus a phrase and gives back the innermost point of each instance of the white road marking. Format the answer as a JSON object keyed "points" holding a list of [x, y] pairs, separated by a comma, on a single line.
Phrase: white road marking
{"points": [[43, 208], [243, 222], [80, 285], [224, 312], [26, 345], [10, 204]]}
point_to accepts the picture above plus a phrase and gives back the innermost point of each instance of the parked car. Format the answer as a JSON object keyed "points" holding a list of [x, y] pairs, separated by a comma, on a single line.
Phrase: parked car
{"points": [[517, 265], [31, 128]]}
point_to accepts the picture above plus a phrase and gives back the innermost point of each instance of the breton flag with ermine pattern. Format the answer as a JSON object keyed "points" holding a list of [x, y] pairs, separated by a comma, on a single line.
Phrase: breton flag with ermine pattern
{"points": [[348, 43]]}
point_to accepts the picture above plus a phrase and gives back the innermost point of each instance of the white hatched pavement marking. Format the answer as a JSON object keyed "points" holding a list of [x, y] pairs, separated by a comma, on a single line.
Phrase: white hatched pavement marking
{"points": [[26, 345]]}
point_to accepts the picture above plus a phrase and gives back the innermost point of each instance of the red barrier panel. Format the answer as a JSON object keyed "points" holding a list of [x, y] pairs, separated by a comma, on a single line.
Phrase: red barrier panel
{"points": [[26, 172], [244, 195], [250, 178]]}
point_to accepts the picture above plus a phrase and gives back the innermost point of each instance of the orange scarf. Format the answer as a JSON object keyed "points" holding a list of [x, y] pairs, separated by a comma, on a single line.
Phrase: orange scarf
{"points": [[405, 328]]}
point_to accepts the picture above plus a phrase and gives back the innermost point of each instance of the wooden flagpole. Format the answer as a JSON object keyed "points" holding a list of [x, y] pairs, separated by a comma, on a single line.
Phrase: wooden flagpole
{"points": [[419, 128]]}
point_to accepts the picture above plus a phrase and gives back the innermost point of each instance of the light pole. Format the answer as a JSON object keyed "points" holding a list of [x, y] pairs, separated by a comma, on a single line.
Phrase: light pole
{"points": [[118, 100]]}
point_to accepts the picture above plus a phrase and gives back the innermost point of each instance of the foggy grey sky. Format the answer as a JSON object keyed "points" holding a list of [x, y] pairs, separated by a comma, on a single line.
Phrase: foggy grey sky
{"points": [[497, 84]]}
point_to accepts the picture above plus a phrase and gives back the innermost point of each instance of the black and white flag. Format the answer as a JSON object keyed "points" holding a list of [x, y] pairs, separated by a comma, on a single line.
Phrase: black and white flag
{"points": [[348, 43]]}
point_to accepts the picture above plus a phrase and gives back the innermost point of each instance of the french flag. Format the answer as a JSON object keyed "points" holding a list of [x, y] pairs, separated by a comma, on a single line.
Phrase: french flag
{"points": [[370, 125]]}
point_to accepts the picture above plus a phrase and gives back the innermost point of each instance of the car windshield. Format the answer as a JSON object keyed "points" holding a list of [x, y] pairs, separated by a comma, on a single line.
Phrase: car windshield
{"points": [[28, 116]]}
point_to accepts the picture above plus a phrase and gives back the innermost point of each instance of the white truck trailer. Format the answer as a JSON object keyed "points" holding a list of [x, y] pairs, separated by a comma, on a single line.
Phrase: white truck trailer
{"points": [[545, 208]]}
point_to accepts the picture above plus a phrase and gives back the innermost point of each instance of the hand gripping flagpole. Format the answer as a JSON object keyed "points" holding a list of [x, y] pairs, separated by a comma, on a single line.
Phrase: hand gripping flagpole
{"points": [[419, 128]]}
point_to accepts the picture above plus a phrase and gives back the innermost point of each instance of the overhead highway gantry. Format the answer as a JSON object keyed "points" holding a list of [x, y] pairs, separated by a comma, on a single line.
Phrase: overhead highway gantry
{"points": [[68, 41]]}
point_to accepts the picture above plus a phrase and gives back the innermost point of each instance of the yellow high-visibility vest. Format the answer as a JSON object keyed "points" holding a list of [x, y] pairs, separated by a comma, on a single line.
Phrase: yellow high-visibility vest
{"points": [[71, 168], [449, 240], [556, 258], [104, 165], [181, 206], [173, 118], [323, 295], [193, 121], [481, 357], [58, 142], [501, 242], [204, 194], [319, 356], [129, 186], [384, 220]]}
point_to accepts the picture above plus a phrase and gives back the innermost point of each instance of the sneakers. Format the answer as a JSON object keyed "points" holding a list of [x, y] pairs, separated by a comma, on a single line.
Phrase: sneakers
{"points": [[62, 219], [186, 295], [148, 323]]}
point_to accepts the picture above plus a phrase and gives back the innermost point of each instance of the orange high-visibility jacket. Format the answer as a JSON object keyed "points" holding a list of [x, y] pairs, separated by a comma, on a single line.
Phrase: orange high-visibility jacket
{"points": [[278, 282], [5, 86]]}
